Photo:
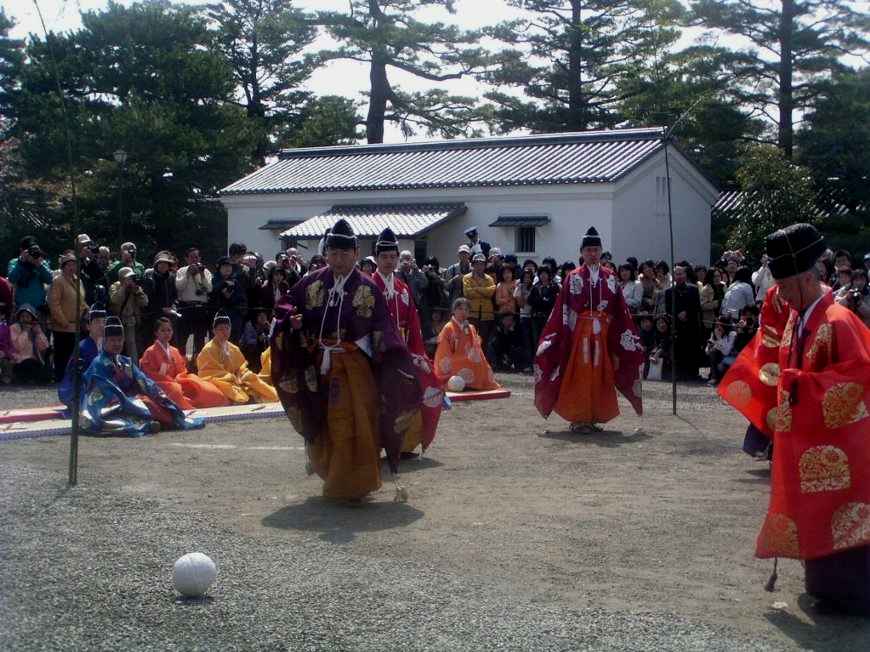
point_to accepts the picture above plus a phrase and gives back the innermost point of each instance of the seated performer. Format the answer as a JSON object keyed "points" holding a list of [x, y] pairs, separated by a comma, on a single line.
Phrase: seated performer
{"points": [[165, 365], [589, 344], [89, 348], [460, 353], [344, 376], [403, 312], [119, 399], [813, 397], [221, 362]]}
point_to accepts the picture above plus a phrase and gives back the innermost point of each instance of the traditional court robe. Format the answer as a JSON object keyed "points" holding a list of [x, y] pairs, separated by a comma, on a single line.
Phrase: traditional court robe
{"points": [[228, 370], [88, 350], [168, 368], [762, 350], [460, 353], [820, 484], [403, 312], [266, 367], [574, 374], [345, 379], [118, 398]]}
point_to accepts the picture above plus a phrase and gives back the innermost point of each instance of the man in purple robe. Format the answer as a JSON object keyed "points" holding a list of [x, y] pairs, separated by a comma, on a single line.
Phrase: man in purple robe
{"points": [[343, 373]]}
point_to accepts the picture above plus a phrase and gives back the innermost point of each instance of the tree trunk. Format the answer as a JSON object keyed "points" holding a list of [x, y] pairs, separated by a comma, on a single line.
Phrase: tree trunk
{"points": [[577, 118], [786, 72], [377, 99]]}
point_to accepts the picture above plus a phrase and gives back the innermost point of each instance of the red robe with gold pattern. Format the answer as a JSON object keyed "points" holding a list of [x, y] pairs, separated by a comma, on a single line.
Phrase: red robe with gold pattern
{"points": [[404, 314], [820, 485], [590, 323]]}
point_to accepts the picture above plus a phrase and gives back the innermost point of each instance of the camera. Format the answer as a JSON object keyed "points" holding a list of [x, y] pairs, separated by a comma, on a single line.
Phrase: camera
{"points": [[854, 298]]}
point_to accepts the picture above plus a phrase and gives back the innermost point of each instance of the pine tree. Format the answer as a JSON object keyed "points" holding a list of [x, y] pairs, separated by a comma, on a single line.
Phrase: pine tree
{"points": [[264, 41], [386, 35], [571, 57], [795, 46]]}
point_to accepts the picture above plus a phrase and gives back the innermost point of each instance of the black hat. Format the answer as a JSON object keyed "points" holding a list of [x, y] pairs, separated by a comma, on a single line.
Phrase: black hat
{"points": [[341, 236], [591, 239], [224, 260], [26, 242], [794, 250], [220, 319], [470, 231], [114, 327], [97, 311], [386, 242]]}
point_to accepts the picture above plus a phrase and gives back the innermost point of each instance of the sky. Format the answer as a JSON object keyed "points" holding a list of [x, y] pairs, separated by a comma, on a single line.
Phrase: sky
{"points": [[347, 78]]}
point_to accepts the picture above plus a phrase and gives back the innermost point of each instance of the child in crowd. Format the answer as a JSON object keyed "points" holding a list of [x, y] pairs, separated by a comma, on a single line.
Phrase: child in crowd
{"points": [[660, 358], [647, 339], [506, 348], [167, 367], [718, 348], [255, 340], [459, 351]]}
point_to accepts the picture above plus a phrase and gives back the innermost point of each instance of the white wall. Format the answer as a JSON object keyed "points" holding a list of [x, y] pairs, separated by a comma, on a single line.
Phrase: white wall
{"points": [[641, 218]]}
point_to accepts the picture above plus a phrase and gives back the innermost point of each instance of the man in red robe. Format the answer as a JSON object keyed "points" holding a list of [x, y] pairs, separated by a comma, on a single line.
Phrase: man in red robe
{"points": [[403, 312], [819, 508], [589, 347]]}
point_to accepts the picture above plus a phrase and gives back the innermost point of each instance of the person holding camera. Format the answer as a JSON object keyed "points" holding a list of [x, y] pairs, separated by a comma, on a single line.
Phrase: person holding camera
{"points": [[66, 303], [193, 285], [128, 259], [28, 344], [159, 285], [29, 274], [856, 296], [92, 275], [127, 301]]}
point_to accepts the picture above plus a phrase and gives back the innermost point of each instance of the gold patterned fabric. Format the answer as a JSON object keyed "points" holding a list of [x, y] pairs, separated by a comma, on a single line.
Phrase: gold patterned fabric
{"points": [[779, 537], [850, 525], [769, 374], [824, 468], [738, 393], [843, 404], [821, 343]]}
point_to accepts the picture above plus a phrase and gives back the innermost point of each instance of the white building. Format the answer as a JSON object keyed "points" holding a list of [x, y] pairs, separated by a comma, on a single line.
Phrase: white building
{"points": [[529, 195]]}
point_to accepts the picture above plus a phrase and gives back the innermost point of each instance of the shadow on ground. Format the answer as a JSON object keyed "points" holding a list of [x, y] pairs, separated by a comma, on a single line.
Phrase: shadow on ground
{"points": [[606, 439], [827, 632], [339, 523]]}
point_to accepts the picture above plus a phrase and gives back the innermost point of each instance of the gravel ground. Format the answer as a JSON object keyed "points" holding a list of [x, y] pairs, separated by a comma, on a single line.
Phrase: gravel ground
{"points": [[518, 536]]}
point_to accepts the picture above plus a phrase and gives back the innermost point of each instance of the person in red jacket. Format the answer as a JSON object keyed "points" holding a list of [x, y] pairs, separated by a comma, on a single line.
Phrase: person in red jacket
{"points": [[403, 312]]}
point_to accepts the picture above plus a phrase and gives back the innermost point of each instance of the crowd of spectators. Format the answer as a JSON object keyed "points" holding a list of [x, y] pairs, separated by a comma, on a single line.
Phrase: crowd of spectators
{"points": [[715, 309]]}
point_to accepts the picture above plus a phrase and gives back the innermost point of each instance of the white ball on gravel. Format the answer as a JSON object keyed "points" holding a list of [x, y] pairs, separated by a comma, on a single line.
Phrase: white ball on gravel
{"points": [[193, 574], [456, 384]]}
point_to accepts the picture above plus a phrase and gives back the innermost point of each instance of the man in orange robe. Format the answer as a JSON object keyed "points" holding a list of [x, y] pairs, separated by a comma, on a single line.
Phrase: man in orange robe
{"points": [[819, 508], [589, 347], [403, 312]]}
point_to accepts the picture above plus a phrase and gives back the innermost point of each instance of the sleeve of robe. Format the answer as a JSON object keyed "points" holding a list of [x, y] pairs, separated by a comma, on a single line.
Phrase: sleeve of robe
{"points": [[152, 363], [820, 483], [623, 343], [554, 347], [100, 392], [742, 386]]}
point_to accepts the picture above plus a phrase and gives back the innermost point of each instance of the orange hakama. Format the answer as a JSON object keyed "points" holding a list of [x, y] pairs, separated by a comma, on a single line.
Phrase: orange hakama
{"points": [[168, 369], [459, 353]]}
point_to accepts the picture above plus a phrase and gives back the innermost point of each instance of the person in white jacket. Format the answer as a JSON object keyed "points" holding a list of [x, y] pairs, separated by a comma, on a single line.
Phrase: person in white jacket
{"points": [[632, 290], [762, 280], [719, 347]]}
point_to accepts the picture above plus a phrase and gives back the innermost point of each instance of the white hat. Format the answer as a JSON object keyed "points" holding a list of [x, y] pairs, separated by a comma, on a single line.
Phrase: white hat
{"points": [[464, 249], [125, 272]]}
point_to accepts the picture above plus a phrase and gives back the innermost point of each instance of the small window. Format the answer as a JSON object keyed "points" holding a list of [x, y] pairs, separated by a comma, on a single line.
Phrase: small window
{"points": [[525, 239]]}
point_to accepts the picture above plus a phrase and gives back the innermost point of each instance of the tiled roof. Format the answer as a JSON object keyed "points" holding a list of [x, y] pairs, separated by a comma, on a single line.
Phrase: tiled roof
{"points": [[581, 157], [406, 220], [826, 203]]}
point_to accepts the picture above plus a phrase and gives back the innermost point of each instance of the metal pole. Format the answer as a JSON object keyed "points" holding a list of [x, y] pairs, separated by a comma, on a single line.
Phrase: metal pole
{"points": [[666, 141], [74, 437]]}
